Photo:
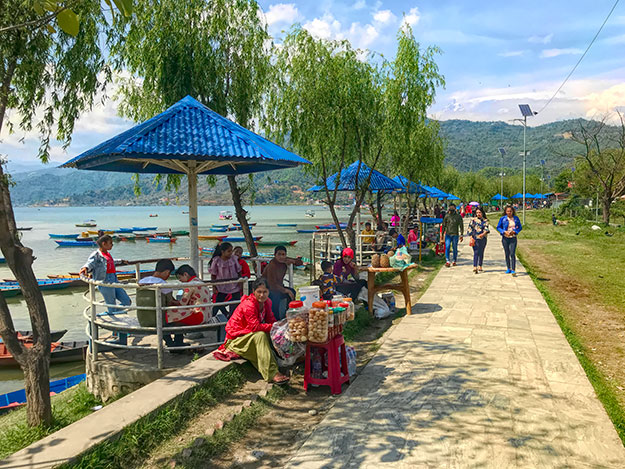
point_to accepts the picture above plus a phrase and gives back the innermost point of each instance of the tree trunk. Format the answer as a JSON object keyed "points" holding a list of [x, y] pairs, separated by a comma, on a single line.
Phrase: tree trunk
{"points": [[335, 218], [379, 208], [34, 361], [242, 216], [607, 204]]}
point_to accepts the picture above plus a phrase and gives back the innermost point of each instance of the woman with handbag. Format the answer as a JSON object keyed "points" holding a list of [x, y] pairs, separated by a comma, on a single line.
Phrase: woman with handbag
{"points": [[478, 232]]}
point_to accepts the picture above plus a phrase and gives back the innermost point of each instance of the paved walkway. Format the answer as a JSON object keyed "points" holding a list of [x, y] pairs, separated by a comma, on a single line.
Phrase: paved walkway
{"points": [[479, 376]]}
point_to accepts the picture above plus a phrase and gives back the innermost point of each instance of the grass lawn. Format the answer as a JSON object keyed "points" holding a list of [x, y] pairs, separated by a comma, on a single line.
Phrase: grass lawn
{"points": [[67, 407], [581, 273]]}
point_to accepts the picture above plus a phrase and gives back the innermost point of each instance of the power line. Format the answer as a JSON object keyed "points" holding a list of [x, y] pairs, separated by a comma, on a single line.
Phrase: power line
{"points": [[581, 58]]}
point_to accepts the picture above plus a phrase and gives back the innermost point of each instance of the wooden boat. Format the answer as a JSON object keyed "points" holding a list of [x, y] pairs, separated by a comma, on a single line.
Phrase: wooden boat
{"points": [[218, 230], [173, 233], [212, 237], [123, 230], [12, 288], [75, 244], [310, 213], [245, 253], [104, 232], [239, 239], [225, 215], [160, 239], [307, 231], [275, 243], [26, 336], [121, 274], [153, 215], [24, 228], [215, 225], [284, 225], [239, 225], [60, 352], [87, 224], [331, 226], [16, 399], [63, 236]]}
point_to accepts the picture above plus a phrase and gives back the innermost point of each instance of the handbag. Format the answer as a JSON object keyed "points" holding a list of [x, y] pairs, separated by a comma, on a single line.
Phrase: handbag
{"points": [[472, 242]]}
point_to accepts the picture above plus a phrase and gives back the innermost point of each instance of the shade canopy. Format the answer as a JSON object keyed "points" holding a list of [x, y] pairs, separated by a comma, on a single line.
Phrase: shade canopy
{"points": [[355, 175], [191, 139], [529, 195], [414, 188], [539, 196], [452, 197], [499, 197], [518, 195], [187, 132]]}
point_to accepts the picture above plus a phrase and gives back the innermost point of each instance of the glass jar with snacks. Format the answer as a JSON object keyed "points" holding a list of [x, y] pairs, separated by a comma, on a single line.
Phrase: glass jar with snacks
{"points": [[336, 300], [345, 313], [351, 311], [331, 323], [318, 323], [297, 318]]}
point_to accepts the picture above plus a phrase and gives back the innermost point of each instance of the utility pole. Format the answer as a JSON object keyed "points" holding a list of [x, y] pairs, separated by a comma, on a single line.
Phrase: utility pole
{"points": [[502, 151], [525, 111]]}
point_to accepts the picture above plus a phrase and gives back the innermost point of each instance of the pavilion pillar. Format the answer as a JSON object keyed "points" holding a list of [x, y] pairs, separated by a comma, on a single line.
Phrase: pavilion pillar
{"points": [[193, 223]]}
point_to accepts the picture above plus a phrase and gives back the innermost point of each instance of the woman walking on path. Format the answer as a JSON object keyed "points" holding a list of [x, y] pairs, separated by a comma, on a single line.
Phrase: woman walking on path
{"points": [[509, 227], [478, 231]]}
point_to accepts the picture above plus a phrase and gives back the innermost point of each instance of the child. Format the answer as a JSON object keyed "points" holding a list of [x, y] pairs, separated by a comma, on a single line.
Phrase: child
{"points": [[102, 268], [368, 235], [401, 241], [225, 266], [328, 281], [245, 269]]}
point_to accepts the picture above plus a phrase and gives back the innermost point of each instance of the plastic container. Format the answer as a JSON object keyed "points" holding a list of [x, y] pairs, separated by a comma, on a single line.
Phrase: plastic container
{"points": [[318, 323], [297, 317], [345, 313], [337, 300], [309, 295], [351, 311]]}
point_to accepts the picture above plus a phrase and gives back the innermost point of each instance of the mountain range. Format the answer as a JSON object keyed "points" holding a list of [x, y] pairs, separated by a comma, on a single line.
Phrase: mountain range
{"points": [[470, 146]]}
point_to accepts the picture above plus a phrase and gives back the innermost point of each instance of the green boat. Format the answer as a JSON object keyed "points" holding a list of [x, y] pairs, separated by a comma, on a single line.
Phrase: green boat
{"points": [[275, 243]]}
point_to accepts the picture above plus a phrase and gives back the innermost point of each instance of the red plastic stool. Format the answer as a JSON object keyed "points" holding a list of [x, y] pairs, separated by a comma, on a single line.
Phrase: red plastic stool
{"points": [[334, 349]]}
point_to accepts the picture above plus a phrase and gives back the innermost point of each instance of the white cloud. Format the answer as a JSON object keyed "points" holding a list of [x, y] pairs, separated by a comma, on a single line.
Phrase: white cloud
{"points": [[282, 13], [413, 17], [512, 53], [359, 5], [384, 16], [541, 39], [326, 27], [549, 53], [620, 39], [360, 36]]}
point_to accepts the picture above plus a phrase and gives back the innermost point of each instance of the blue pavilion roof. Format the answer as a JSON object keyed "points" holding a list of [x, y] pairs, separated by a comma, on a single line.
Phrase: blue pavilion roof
{"points": [[187, 131], [354, 175]]}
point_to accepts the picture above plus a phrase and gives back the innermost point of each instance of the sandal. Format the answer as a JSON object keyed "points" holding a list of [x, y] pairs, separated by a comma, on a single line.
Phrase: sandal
{"points": [[280, 379]]}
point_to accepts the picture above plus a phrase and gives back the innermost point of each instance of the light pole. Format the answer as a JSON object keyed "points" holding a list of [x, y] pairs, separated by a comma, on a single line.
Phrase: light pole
{"points": [[525, 111], [542, 179], [502, 151]]}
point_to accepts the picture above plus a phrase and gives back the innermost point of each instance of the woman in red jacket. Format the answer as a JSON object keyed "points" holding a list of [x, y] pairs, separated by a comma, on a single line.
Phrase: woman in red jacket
{"points": [[247, 332]]}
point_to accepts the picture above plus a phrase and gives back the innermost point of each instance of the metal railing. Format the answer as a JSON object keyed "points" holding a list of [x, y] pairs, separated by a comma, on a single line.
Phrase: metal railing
{"points": [[97, 320]]}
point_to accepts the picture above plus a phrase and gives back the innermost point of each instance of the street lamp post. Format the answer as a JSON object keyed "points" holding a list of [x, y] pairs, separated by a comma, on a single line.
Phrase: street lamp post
{"points": [[525, 111], [502, 151]]}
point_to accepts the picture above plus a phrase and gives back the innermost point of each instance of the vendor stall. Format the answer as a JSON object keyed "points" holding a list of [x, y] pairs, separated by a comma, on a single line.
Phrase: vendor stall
{"points": [[401, 287]]}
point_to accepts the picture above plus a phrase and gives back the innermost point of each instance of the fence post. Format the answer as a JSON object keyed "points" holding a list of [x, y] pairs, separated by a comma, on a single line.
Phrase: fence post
{"points": [[94, 326], [138, 272], [201, 268], [290, 275], [159, 328]]}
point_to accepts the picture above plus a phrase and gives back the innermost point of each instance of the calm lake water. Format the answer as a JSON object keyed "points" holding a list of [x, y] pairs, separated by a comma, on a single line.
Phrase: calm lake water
{"points": [[65, 307]]}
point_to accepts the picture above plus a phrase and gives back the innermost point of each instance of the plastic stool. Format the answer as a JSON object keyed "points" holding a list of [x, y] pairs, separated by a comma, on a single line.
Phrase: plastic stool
{"points": [[337, 364]]}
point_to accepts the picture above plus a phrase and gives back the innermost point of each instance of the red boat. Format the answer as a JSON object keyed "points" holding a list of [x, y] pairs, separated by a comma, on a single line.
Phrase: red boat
{"points": [[60, 352]]}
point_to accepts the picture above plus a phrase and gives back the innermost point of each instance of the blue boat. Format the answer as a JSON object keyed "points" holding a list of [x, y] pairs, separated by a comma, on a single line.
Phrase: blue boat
{"points": [[44, 283], [239, 239], [331, 226], [3, 260], [219, 230], [63, 236], [307, 231], [76, 244], [17, 398], [139, 228], [124, 230], [219, 226], [287, 224], [160, 239]]}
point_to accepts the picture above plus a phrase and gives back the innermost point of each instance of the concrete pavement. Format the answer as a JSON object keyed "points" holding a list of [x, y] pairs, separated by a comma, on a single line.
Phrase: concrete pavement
{"points": [[479, 376]]}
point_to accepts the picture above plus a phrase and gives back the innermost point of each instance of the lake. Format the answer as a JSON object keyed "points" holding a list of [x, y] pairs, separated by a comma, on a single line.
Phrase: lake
{"points": [[65, 307]]}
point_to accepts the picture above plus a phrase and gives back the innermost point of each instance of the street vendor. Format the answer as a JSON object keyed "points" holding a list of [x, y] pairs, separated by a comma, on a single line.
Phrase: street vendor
{"points": [[274, 273], [247, 332], [347, 273]]}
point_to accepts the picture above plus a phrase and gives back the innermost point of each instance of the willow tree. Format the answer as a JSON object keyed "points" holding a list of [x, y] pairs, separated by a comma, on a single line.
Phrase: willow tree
{"points": [[326, 102], [217, 51], [415, 146], [46, 80]]}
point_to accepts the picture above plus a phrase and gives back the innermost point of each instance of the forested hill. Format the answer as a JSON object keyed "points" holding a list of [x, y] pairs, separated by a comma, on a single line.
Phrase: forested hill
{"points": [[470, 146]]}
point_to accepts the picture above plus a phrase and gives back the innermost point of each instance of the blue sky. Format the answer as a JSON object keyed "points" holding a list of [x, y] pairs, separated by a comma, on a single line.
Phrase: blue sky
{"points": [[495, 56]]}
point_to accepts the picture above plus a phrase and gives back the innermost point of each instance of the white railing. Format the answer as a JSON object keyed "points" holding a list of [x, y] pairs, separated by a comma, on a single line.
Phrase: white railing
{"points": [[98, 319]]}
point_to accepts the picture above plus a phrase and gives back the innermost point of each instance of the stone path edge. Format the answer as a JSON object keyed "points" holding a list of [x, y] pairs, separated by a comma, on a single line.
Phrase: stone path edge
{"points": [[69, 443]]}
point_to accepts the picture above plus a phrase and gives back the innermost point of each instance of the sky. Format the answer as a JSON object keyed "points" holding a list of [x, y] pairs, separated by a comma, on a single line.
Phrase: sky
{"points": [[495, 55]]}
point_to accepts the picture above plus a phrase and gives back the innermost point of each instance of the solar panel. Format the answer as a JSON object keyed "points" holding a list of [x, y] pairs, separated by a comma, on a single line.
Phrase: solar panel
{"points": [[542, 162], [525, 110], [502, 151]]}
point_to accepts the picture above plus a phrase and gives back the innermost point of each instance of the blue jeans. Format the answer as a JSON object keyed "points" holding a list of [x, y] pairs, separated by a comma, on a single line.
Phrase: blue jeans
{"points": [[478, 251], [509, 247], [451, 241], [111, 296], [276, 298]]}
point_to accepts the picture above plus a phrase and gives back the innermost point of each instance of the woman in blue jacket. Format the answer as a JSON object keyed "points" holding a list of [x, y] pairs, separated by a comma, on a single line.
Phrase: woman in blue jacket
{"points": [[509, 227]]}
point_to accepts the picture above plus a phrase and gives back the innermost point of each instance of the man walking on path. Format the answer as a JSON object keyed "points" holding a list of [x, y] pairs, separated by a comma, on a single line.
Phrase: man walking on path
{"points": [[453, 228]]}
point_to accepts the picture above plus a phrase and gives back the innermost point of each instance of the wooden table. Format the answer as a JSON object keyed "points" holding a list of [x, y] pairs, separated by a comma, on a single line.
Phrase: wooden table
{"points": [[402, 287]]}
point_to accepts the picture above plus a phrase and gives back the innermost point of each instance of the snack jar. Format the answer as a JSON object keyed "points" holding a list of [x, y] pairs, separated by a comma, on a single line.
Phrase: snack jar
{"points": [[337, 300], [318, 322], [346, 308], [297, 319], [332, 320], [351, 311]]}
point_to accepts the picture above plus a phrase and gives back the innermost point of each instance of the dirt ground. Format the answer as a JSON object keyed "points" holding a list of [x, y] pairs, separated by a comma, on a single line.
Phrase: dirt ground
{"points": [[279, 433], [601, 328]]}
